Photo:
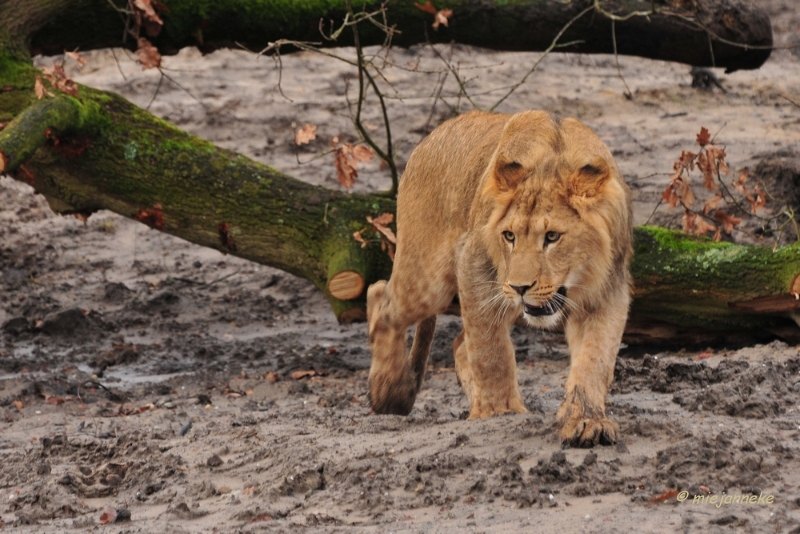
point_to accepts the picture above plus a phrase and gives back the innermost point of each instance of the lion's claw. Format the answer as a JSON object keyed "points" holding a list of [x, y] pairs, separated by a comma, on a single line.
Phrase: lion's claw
{"points": [[584, 432]]}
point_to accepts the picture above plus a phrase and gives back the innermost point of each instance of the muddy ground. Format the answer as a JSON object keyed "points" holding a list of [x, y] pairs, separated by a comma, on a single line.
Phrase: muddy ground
{"points": [[158, 386]]}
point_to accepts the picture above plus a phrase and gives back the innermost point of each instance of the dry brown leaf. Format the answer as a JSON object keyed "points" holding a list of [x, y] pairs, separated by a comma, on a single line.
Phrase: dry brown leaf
{"points": [[685, 191], [77, 57], [702, 226], [360, 238], [305, 134], [18, 404], [345, 172], [712, 203], [382, 228], [686, 161], [727, 221], [382, 219], [741, 179], [688, 221], [39, 89], [427, 7], [272, 377], [717, 157], [664, 496], [59, 80], [146, 16], [153, 217], [299, 375], [706, 166], [760, 200], [108, 517], [362, 153], [441, 18], [148, 55], [703, 138], [670, 196]]}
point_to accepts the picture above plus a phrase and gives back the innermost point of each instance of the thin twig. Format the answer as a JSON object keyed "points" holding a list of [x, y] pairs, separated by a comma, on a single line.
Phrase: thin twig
{"points": [[541, 57], [155, 93], [628, 93], [387, 156]]}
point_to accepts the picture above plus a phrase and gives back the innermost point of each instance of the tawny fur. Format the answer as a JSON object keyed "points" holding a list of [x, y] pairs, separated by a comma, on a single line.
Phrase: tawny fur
{"points": [[554, 189]]}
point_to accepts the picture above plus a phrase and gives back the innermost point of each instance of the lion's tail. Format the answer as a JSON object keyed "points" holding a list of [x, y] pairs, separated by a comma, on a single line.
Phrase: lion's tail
{"points": [[421, 347]]}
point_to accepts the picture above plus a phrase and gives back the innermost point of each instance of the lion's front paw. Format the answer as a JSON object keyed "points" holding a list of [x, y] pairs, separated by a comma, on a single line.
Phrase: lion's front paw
{"points": [[586, 432], [495, 405]]}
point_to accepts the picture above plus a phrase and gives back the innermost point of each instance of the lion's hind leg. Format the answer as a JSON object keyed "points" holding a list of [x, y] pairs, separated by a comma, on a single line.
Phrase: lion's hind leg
{"points": [[394, 377]]}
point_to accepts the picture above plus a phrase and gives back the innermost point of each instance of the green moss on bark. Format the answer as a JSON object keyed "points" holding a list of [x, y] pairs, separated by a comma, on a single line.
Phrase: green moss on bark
{"points": [[692, 281]]}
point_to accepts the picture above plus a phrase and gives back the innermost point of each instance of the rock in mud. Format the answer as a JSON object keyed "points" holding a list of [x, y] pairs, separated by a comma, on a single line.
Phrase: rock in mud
{"points": [[65, 322], [16, 326], [116, 293], [302, 482], [160, 301]]}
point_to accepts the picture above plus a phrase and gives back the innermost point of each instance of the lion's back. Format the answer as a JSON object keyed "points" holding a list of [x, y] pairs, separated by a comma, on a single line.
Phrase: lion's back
{"points": [[444, 172]]}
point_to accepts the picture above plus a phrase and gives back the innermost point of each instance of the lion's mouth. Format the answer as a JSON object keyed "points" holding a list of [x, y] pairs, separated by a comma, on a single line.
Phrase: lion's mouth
{"points": [[550, 307]]}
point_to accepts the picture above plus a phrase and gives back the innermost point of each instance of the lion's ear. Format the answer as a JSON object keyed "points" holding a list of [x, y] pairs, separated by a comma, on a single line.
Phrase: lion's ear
{"points": [[508, 175], [588, 181]]}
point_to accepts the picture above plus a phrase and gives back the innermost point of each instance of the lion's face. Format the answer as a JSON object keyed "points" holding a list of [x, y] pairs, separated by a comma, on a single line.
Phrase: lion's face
{"points": [[555, 210]]}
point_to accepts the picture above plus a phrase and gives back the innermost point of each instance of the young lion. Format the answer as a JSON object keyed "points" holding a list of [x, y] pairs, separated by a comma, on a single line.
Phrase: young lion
{"points": [[518, 215]]}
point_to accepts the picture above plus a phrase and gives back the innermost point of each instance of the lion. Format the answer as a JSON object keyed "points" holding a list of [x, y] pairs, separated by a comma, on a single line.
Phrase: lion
{"points": [[518, 215]]}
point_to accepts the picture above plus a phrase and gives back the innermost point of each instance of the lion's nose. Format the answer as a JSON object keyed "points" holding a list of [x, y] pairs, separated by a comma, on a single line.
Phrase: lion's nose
{"points": [[520, 289]]}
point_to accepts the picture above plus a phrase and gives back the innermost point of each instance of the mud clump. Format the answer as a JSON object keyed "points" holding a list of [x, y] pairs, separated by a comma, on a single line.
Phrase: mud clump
{"points": [[71, 321]]}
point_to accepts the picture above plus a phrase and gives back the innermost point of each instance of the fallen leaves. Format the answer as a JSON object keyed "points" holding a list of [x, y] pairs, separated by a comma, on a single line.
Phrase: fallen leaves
{"points": [[58, 79], [147, 55], [306, 134], [346, 158]]}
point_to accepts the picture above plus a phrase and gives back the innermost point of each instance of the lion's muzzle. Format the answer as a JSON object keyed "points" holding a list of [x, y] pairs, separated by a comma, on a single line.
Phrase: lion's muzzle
{"points": [[550, 307]]}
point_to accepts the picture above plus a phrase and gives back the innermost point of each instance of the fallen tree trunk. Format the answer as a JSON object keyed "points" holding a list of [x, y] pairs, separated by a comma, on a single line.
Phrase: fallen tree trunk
{"points": [[722, 33], [97, 151]]}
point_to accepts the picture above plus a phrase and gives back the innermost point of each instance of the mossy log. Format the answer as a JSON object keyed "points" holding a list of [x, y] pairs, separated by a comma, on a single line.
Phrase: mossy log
{"points": [[722, 33], [698, 284], [98, 151]]}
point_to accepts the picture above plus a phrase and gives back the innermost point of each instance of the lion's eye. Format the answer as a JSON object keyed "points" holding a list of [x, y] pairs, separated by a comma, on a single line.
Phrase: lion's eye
{"points": [[508, 236], [551, 237]]}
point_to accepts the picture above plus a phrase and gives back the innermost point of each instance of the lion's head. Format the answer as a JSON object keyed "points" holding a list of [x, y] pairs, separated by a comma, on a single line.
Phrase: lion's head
{"points": [[559, 227]]}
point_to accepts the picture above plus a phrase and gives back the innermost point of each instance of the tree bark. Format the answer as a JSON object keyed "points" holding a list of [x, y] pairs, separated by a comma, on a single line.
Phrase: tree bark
{"points": [[697, 32], [98, 151]]}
